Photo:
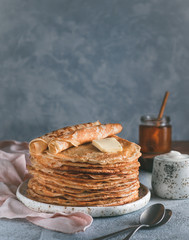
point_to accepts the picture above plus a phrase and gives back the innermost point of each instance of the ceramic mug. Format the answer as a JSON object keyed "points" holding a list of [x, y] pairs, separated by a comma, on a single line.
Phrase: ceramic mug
{"points": [[170, 175]]}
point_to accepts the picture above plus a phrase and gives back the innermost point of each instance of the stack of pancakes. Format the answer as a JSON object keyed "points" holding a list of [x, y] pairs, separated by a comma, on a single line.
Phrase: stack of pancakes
{"points": [[82, 175]]}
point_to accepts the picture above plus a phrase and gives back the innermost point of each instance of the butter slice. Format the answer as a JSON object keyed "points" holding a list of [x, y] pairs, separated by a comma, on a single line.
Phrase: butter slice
{"points": [[108, 145]]}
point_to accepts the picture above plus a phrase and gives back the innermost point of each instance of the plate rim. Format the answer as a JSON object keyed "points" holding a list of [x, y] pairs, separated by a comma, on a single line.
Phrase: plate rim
{"points": [[91, 210]]}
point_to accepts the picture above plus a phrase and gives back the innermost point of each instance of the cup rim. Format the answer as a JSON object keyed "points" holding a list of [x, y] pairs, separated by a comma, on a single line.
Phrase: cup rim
{"points": [[169, 159]]}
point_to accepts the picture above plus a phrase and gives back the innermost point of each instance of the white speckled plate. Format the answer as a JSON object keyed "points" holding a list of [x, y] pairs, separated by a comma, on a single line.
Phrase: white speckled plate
{"points": [[144, 197]]}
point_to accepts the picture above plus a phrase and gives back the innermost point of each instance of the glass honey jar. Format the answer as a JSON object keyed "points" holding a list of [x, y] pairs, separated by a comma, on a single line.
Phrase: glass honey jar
{"points": [[155, 135]]}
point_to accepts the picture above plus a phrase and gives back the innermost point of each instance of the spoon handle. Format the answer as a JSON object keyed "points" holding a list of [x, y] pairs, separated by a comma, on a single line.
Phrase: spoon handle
{"points": [[114, 233], [134, 231]]}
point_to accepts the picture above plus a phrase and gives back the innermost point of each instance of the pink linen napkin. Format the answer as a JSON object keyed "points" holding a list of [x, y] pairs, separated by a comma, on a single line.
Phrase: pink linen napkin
{"points": [[13, 158]]}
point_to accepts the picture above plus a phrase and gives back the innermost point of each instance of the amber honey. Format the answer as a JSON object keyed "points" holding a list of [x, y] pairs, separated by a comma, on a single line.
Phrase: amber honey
{"points": [[155, 135]]}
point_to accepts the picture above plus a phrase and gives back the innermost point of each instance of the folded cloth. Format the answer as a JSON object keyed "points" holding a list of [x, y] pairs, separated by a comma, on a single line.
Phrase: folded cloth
{"points": [[13, 159]]}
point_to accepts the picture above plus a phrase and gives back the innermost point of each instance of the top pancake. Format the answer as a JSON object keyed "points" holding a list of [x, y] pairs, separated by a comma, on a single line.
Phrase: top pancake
{"points": [[40, 144], [62, 139], [87, 153]]}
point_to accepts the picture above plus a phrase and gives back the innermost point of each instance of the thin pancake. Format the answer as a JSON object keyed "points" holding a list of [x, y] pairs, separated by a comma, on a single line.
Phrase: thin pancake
{"points": [[84, 135], [40, 144], [52, 191], [65, 202]]}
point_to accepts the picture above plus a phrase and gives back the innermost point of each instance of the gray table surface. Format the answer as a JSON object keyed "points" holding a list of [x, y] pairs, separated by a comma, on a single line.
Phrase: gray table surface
{"points": [[176, 228]]}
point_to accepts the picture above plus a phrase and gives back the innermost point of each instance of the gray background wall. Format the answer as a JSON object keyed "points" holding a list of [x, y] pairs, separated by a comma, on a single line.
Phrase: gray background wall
{"points": [[64, 62]]}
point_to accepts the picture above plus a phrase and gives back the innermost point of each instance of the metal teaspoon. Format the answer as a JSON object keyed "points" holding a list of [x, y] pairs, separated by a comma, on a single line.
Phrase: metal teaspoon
{"points": [[168, 214], [151, 217]]}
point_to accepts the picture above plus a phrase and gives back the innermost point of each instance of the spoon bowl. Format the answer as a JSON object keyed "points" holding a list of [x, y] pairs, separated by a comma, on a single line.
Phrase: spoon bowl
{"points": [[152, 215], [166, 218], [168, 214]]}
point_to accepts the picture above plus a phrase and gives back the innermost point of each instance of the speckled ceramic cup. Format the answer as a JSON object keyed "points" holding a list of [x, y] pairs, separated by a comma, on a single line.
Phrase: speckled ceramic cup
{"points": [[170, 175]]}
